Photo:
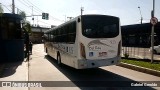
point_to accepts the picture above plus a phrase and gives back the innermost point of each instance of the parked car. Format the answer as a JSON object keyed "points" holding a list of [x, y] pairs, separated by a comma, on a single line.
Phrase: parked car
{"points": [[156, 49]]}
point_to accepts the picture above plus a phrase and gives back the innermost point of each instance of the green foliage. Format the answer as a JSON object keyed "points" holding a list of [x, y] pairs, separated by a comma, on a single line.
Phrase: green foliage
{"points": [[27, 27], [155, 66], [1, 9], [23, 15], [26, 24], [126, 55]]}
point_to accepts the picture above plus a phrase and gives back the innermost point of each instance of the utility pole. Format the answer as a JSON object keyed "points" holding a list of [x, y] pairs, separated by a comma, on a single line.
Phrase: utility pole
{"points": [[152, 33], [13, 7], [82, 9], [32, 15], [140, 14]]}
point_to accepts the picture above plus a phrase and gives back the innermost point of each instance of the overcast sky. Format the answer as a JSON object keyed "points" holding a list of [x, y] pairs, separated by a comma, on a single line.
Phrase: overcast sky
{"points": [[126, 10]]}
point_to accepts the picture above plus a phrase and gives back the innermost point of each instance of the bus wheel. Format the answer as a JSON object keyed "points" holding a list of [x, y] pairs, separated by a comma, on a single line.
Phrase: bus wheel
{"points": [[154, 52], [59, 59], [47, 51]]}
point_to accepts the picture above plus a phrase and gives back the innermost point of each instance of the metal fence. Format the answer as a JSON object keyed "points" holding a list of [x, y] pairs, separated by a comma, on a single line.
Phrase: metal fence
{"points": [[138, 53]]}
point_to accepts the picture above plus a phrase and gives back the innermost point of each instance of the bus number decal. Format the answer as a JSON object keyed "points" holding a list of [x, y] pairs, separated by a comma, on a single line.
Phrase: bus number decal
{"points": [[70, 50]]}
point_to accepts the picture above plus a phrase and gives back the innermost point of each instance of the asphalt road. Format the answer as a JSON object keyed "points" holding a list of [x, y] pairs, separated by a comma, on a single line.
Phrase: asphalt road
{"points": [[44, 68]]}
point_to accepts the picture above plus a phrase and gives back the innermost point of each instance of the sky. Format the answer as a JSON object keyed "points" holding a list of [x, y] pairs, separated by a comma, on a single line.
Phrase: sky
{"points": [[59, 10]]}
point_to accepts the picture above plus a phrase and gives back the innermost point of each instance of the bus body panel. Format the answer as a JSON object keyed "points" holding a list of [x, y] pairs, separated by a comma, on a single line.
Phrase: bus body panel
{"points": [[87, 52], [11, 38], [12, 50], [99, 52], [100, 49], [66, 52], [82, 64]]}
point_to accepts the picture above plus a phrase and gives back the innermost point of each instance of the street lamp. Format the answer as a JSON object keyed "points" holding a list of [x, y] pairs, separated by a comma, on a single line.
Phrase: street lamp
{"points": [[152, 33], [140, 14], [32, 15]]}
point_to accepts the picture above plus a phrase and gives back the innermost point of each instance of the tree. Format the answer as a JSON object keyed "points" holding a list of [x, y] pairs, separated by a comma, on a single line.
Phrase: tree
{"points": [[27, 29], [23, 15], [26, 24], [1, 9]]}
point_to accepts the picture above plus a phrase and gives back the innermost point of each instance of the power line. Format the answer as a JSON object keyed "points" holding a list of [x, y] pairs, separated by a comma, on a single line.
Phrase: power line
{"points": [[23, 3], [22, 10], [43, 11], [34, 6], [28, 4], [6, 7]]}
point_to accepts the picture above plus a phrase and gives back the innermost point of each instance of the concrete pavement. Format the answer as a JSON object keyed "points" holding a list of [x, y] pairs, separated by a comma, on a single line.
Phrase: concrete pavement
{"points": [[15, 71], [42, 68]]}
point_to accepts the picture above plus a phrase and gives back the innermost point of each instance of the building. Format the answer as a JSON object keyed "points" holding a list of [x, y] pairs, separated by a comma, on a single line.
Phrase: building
{"points": [[37, 33]]}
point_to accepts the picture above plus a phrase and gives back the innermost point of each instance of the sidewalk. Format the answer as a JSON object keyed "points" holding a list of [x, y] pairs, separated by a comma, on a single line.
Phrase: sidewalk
{"points": [[15, 71], [140, 69]]}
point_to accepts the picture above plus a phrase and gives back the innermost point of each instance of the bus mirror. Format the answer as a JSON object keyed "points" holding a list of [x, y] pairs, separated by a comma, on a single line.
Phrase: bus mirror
{"points": [[79, 20]]}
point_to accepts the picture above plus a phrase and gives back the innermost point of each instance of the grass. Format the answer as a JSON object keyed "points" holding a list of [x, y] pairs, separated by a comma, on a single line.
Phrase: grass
{"points": [[154, 66]]}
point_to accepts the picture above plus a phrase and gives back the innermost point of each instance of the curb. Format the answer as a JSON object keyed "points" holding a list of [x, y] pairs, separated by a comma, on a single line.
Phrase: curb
{"points": [[140, 69]]}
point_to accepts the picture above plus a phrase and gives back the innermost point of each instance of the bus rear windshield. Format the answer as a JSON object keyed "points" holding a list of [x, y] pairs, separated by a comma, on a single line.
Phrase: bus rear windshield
{"points": [[94, 26]]}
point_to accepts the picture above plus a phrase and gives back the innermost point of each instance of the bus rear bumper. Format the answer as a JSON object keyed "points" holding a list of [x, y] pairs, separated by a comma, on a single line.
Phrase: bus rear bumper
{"points": [[84, 63]]}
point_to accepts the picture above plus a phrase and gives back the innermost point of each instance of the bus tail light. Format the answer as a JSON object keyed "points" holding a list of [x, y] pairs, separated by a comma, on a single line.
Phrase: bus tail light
{"points": [[119, 48], [82, 50]]}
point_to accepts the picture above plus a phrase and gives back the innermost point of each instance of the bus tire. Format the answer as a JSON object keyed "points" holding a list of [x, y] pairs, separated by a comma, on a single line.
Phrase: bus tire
{"points": [[47, 51], [59, 59], [154, 52]]}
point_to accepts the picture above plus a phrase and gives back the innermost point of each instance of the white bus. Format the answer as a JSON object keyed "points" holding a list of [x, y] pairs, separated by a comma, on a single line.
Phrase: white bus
{"points": [[87, 41]]}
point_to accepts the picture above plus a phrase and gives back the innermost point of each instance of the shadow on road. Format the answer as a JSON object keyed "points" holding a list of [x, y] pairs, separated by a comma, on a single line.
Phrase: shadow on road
{"points": [[10, 68], [95, 78]]}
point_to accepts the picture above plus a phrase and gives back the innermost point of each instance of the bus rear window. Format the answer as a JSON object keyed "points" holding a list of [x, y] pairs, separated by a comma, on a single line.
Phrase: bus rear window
{"points": [[100, 26]]}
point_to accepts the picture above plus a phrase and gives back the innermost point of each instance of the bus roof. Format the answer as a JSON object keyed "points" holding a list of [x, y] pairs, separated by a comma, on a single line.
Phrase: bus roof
{"points": [[74, 19], [10, 15]]}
